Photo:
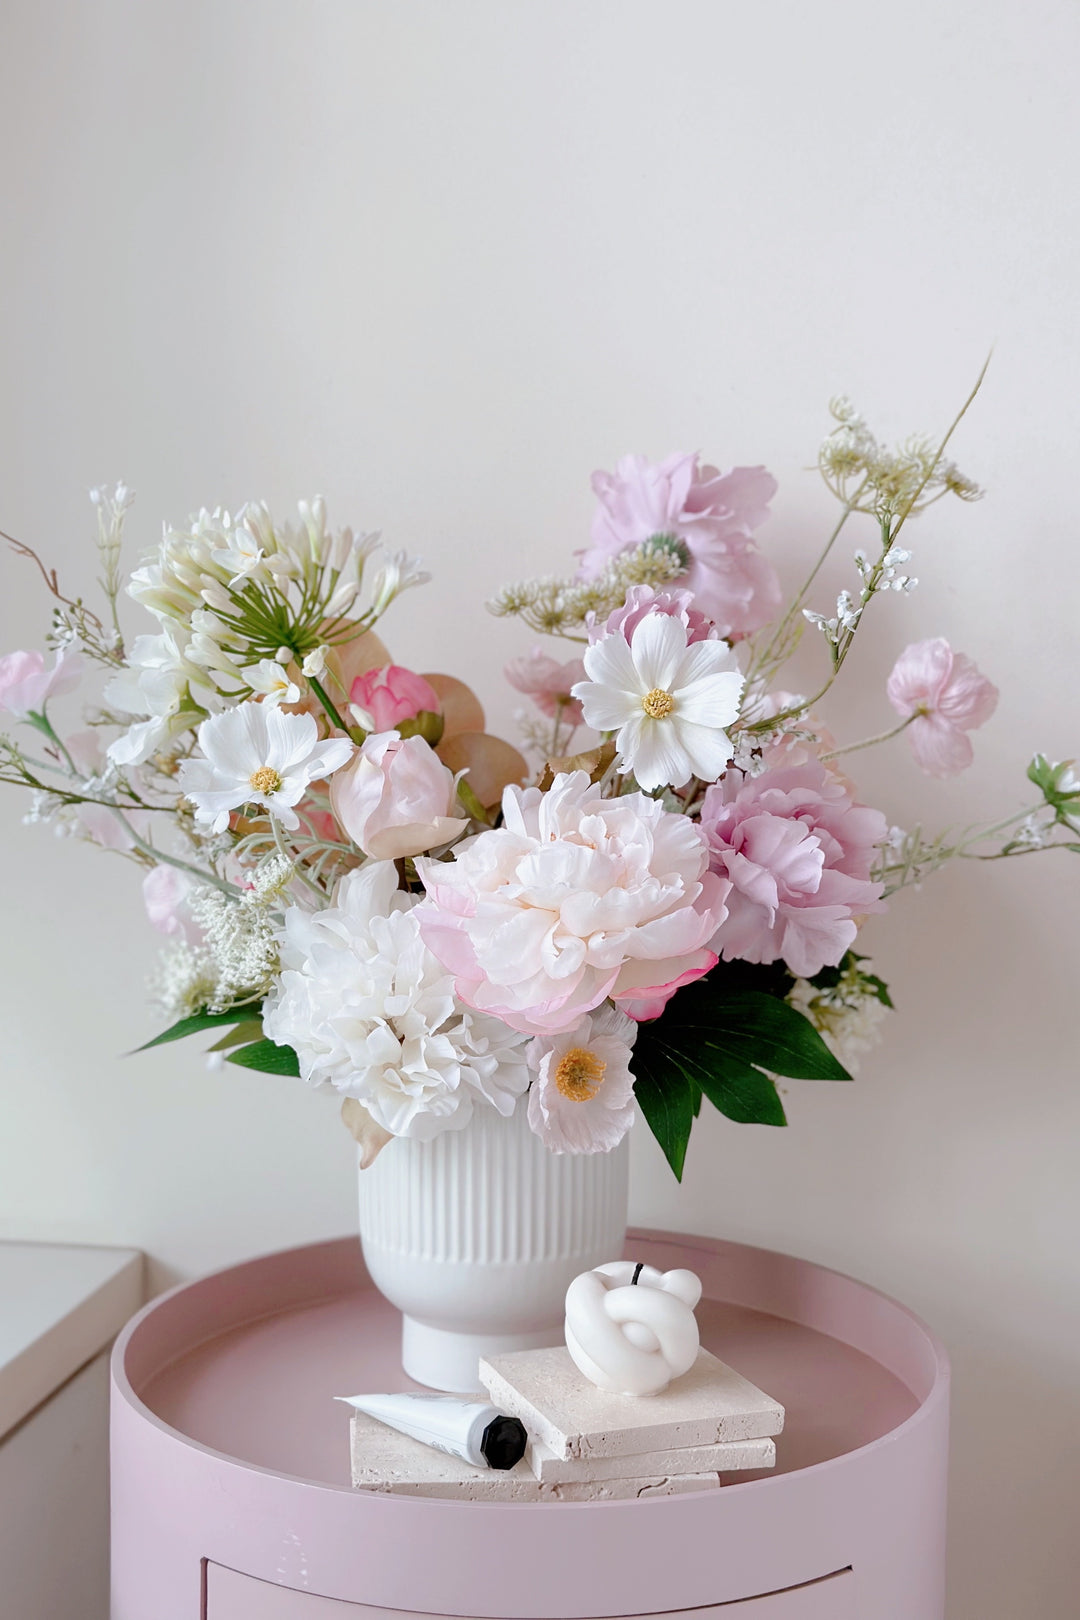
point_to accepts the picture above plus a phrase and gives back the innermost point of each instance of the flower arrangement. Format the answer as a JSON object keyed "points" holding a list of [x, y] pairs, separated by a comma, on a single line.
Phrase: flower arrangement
{"points": [[363, 888]]}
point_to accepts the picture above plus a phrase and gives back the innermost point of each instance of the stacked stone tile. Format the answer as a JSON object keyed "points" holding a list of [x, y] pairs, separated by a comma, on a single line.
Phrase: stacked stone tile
{"points": [[585, 1444]]}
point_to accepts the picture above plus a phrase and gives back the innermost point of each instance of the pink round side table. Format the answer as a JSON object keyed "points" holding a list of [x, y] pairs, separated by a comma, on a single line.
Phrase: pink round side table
{"points": [[230, 1464]]}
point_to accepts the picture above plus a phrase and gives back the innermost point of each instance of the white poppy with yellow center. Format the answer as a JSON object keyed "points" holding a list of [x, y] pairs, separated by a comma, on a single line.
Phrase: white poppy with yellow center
{"points": [[667, 702], [582, 1099]]}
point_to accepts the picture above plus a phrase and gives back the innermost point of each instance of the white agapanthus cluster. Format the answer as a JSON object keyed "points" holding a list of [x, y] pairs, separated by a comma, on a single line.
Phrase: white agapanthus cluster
{"points": [[370, 1011], [239, 600]]}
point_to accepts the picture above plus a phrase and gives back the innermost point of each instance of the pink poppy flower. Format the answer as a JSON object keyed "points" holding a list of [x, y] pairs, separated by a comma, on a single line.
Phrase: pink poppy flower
{"points": [[548, 683], [26, 685], [945, 696], [798, 853], [713, 513], [390, 695]]}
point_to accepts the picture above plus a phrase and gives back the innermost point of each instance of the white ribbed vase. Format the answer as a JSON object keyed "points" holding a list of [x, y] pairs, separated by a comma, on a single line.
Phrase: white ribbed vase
{"points": [[476, 1237]]}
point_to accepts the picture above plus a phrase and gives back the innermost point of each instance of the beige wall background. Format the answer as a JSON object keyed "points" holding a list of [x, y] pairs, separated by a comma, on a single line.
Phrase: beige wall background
{"points": [[439, 261]]}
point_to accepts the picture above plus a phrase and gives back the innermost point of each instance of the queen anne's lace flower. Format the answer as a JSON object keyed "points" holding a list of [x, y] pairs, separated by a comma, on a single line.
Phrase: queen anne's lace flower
{"points": [[667, 699], [369, 1010], [257, 755], [574, 899]]}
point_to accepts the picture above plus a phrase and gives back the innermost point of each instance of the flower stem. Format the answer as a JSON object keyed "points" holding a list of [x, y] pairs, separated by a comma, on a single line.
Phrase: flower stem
{"points": [[331, 709], [869, 742]]}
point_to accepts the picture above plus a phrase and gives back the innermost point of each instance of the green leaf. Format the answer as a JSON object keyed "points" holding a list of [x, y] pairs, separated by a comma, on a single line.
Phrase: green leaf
{"points": [[716, 1038], [249, 1031], [751, 1025], [266, 1056], [200, 1021], [667, 1099]]}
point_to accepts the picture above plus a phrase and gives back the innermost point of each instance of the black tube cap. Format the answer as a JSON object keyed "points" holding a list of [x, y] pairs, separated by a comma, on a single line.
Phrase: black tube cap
{"points": [[503, 1442]]}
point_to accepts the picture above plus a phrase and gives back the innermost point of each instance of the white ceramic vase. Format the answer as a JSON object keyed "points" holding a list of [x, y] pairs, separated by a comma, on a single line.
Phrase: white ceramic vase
{"points": [[476, 1236]]}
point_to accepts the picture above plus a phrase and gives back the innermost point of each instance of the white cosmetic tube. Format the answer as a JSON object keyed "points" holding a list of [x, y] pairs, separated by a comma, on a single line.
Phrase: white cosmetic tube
{"points": [[475, 1431]]}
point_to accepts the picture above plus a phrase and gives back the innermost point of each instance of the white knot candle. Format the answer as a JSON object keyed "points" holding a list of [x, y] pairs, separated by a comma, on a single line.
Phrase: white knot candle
{"points": [[630, 1328]]}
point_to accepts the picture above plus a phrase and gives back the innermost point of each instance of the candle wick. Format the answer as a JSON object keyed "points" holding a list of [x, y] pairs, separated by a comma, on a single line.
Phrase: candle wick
{"points": [[638, 1269]]}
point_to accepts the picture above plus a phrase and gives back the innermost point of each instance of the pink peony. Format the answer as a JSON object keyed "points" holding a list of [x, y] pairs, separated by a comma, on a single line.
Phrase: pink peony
{"points": [[396, 798], [548, 683], [582, 1100], [575, 898], [26, 685], [713, 513], [390, 695], [641, 600], [945, 695], [798, 852]]}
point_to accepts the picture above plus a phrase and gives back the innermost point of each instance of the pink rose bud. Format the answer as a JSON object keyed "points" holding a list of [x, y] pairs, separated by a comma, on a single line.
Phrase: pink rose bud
{"points": [[397, 798], [392, 694]]}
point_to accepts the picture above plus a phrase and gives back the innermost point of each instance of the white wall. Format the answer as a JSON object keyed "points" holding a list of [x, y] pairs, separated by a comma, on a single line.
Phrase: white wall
{"points": [[439, 261]]}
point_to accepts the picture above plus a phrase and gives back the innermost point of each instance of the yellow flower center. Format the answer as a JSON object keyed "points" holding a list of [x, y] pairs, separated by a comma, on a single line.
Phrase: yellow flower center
{"points": [[658, 704], [265, 780], [579, 1074]]}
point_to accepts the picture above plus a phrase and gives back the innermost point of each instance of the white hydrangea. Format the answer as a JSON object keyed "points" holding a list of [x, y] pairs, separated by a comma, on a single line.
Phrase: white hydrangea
{"points": [[370, 1011]]}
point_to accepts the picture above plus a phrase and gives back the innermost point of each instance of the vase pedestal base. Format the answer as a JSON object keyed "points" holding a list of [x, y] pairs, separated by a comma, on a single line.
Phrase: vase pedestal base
{"points": [[442, 1359]]}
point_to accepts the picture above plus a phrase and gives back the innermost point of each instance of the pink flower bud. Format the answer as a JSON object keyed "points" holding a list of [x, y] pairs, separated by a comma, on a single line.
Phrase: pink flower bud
{"points": [[392, 694], [397, 798]]}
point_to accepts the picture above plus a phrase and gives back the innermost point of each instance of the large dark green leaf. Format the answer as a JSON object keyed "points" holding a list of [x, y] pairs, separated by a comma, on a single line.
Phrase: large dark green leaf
{"points": [[200, 1021], [716, 1038], [266, 1056], [669, 1102]]}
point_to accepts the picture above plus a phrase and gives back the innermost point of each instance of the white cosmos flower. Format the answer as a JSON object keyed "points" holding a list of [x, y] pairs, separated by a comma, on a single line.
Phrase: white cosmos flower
{"points": [[668, 702], [257, 755], [268, 678]]}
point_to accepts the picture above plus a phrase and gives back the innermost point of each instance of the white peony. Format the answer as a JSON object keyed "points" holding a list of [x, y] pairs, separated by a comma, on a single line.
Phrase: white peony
{"points": [[667, 699], [369, 1011]]}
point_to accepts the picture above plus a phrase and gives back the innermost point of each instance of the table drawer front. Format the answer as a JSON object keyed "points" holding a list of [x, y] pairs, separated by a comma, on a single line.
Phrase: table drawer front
{"points": [[231, 1596]]}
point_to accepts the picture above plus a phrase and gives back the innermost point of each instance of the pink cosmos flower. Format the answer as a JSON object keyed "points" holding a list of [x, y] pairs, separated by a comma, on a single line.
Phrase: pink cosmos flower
{"points": [[641, 600], [798, 853], [548, 683], [947, 696], [573, 899], [392, 694], [582, 1100], [26, 685], [396, 798], [713, 513]]}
